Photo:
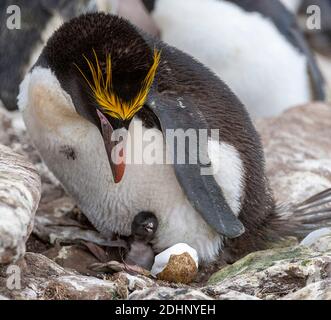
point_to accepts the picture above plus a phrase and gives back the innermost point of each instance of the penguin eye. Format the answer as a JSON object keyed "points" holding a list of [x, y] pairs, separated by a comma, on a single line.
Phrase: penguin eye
{"points": [[103, 91]]}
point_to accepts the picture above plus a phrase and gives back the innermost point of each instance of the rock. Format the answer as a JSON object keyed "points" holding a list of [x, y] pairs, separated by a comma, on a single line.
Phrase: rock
{"points": [[218, 294], [13, 134], [167, 293], [316, 291], [20, 190], [34, 244], [297, 150], [178, 263], [274, 273], [42, 278], [135, 282], [5, 126], [126, 283], [73, 258]]}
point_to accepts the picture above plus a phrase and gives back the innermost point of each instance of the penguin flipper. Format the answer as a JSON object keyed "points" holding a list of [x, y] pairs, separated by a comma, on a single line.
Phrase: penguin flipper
{"points": [[203, 192]]}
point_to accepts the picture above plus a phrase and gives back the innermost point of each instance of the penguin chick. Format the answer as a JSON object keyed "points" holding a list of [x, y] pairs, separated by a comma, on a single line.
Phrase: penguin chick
{"points": [[140, 251]]}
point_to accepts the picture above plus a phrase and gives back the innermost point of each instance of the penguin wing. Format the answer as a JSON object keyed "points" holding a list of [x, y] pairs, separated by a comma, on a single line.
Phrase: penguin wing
{"points": [[203, 192], [287, 25]]}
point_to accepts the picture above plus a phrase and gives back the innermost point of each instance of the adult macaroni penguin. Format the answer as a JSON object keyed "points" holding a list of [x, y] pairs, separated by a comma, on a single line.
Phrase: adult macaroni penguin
{"points": [[99, 75]]}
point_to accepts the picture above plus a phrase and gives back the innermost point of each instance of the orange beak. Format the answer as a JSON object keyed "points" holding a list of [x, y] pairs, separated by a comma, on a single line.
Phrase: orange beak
{"points": [[114, 149]]}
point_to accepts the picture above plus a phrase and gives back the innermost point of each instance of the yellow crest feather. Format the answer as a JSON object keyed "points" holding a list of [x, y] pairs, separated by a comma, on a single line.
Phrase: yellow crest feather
{"points": [[104, 94]]}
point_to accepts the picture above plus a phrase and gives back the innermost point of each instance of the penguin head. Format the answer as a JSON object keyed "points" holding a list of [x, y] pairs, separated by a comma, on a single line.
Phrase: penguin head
{"points": [[116, 94], [144, 226], [108, 69]]}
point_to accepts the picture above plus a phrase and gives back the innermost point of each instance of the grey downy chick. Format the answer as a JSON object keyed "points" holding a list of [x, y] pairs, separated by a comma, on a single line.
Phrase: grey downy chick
{"points": [[138, 250]]}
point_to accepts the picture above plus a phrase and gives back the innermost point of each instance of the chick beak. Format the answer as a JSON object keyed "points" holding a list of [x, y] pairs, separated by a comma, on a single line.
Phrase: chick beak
{"points": [[114, 149], [149, 227]]}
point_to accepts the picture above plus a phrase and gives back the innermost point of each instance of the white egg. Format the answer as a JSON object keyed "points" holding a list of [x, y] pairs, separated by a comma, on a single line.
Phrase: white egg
{"points": [[162, 259]]}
